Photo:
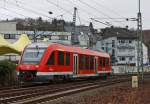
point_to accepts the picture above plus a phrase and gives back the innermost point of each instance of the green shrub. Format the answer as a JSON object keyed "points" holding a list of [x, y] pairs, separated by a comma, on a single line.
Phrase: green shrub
{"points": [[7, 73]]}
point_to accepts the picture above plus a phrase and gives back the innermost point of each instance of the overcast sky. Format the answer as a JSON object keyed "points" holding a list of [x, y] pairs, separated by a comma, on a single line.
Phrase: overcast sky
{"points": [[107, 11]]}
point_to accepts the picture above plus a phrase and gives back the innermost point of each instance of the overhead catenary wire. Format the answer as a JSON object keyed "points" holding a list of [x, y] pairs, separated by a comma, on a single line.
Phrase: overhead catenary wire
{"points": [[84, 11], [94, 8], [107, 24], [91, 14], [97, 10], [32, 11], [4, 14], [114, 12], [21, 3], [28, 9], [42, 11], [111, 18], [69, 12], [108, 9], [104, 14], [17, 4], [59, 7], [13, 11]]}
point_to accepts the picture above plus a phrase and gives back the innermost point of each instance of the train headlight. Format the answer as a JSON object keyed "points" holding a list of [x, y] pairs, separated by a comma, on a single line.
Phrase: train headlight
{"points": [[37, 66]]}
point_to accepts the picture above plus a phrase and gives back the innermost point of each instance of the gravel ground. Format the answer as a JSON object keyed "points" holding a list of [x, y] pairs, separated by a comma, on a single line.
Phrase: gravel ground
{"points": [[116, 94]]}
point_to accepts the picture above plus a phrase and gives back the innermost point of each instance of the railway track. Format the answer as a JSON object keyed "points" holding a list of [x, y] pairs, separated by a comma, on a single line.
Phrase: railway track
{"points": [[38, 94], [43, 93]]}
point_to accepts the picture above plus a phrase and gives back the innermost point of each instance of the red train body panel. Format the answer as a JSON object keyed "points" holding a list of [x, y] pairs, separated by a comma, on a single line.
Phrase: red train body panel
{"points": [[57, 60]]}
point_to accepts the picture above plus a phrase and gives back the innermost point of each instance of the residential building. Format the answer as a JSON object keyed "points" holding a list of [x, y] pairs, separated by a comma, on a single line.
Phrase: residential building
{"points": [[121, 44], [146, 39]]}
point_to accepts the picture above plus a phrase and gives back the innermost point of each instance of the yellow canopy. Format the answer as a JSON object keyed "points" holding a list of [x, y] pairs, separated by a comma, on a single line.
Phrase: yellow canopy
{"points": [[17, 47]]}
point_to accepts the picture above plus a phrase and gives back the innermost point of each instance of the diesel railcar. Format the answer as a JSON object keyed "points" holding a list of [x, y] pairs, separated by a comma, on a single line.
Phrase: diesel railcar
{"points": [[57, 61]]}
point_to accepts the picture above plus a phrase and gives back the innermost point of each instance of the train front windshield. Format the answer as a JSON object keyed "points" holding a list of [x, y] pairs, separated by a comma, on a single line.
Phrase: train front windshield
{"points": [[32, 55]]}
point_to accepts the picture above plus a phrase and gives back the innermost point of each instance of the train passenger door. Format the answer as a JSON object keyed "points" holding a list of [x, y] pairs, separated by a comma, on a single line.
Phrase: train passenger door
{"points": [[96, 64], [75, 63]]}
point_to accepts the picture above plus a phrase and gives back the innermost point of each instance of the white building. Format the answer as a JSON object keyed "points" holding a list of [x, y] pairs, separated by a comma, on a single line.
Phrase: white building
{"points": [[121, 44], [123, 51]]}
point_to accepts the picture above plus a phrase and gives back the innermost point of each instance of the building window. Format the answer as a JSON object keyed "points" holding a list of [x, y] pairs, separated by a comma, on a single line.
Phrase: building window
{"points": [[122, 58], [102, 48], [122, 41], [6, 36], [51, 59], [130, 41], [60, 58], [113, 52], [67, 58], [12, 36], [9, 36], [119, 41], [130, 58], [113, 43]]}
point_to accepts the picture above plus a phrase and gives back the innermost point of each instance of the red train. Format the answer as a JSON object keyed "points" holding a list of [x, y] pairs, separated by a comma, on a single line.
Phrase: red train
{"points": [[57, 61]]}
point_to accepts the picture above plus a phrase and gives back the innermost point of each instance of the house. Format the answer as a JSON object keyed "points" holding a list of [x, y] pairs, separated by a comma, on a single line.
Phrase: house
{"points": [[121, 44]]}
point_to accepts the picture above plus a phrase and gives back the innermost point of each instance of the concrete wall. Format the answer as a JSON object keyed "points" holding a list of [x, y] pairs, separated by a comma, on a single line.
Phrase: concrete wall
{"points": [[7, 26]]}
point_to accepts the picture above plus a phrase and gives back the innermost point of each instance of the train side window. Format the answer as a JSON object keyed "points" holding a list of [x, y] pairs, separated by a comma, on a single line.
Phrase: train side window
{"points": [[67, 58], [60, 58], [51, 59], [81, 62], [107, 61], [91, 62], [104, 62], [87, 62], [100, 61]]}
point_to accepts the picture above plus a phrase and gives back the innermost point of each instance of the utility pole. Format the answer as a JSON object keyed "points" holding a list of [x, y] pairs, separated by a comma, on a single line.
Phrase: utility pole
{"points": [[140, 41], [74, 37], [74, 18]]}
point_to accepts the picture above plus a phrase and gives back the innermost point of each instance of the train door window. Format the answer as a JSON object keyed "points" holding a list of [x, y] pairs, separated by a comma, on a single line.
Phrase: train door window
{"points": [[51, 59], [86, 62], [104, 62], [81, 62], [91, 62], [100, 61], [60, 58], [75, 63], [107, 61], [67, 58]]}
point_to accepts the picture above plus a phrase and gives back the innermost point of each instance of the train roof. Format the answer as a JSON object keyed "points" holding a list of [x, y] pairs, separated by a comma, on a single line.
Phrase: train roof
{"points": [[39, 44], [69, 48]]}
